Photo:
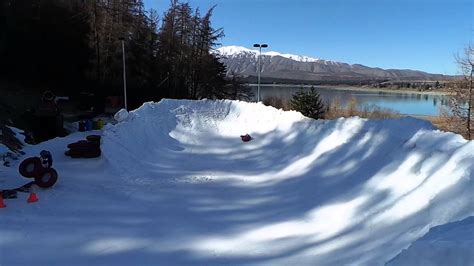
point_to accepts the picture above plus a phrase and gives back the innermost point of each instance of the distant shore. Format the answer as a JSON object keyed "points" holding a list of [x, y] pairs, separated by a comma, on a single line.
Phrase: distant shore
{"points": [[355, 88], [401, 91]]}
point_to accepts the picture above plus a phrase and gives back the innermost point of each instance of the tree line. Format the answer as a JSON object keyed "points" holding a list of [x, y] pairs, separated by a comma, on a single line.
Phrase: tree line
{"points": [[71, 46]]}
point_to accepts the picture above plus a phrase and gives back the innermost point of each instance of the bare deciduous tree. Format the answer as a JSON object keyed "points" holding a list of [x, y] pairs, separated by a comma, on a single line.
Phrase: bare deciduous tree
{"points": [[462, 99]]}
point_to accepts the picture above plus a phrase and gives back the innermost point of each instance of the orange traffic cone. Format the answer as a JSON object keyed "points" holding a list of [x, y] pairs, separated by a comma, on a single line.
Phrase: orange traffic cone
{"points": [[32, 198], [2, 204]]}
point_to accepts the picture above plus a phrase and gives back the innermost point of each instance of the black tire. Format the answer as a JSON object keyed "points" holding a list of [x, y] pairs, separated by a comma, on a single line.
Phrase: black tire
{"points": [[75, 156], [85, 149], [91, 154], [47, 178], [83, 154], [73, 152], [80, 143], [30, 167], [84, 145], [93, 138]]}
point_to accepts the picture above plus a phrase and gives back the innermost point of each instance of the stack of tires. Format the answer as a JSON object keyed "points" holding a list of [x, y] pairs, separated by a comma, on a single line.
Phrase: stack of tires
{"points": [[89, 148], [35, 167]]}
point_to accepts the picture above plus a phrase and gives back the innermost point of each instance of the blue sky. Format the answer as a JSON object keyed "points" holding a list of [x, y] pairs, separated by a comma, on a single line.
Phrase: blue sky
{"points": [[407, 34]]}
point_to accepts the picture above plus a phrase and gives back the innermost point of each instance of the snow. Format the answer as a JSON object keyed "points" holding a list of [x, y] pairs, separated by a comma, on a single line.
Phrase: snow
{"points": [[3, 149], [448, 244], [6, 155], [177, 186], [121, 115], [235, 50]]}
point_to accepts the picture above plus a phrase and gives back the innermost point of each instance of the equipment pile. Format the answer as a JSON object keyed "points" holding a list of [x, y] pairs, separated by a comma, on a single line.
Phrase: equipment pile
{"points": [[89, 148]]}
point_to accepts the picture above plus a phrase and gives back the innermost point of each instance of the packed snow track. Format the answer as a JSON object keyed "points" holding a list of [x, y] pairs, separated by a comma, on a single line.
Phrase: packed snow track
{"points": [[175, 185]]}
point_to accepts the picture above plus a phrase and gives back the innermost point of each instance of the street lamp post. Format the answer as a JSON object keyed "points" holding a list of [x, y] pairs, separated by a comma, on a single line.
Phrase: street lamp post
{"points": [[259, 67], [124, 73]]}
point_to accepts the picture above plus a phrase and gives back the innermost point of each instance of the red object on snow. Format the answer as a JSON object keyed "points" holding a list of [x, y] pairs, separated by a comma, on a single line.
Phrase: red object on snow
{"points": [[246, 138], [2, 204], [32, 198]]}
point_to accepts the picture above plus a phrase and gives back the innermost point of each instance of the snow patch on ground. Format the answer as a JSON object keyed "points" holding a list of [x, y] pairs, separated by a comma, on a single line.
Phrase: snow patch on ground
{"points": [[177, 186]]}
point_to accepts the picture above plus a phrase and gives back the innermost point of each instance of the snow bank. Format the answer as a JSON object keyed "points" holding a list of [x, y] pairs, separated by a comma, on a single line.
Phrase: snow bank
{"points": [[121, 115], [3, 149], [448, 244], [177, 186], [15, 136]]}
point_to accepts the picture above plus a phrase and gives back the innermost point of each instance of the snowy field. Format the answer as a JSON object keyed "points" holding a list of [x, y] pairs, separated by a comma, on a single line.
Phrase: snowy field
{"points": [[177, 186]]}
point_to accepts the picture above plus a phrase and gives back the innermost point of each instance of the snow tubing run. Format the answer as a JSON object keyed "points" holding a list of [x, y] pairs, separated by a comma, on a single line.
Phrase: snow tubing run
{"points": [[357, 184]]}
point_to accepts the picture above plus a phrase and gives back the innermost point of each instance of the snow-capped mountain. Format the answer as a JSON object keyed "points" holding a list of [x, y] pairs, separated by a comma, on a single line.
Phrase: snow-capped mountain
{"points": [[243, 61], [233, 50]]}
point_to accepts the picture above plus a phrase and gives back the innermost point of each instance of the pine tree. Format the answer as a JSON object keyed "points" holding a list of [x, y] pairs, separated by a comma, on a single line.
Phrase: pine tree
{"points": [[235, 88], [309, 103], [185, 41]]}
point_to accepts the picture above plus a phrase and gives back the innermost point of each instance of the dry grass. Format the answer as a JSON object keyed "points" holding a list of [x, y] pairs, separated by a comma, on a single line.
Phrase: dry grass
{"points": [[277, 102], [449, 123], [336, 109]]}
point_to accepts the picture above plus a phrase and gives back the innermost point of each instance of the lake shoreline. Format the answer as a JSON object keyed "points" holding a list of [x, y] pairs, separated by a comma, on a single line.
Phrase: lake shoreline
{"points": [[355, 88]]}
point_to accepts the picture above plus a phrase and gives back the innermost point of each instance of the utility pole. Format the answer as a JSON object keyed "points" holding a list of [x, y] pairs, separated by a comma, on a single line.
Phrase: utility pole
{"points": [[124, 73], [259, 66]]}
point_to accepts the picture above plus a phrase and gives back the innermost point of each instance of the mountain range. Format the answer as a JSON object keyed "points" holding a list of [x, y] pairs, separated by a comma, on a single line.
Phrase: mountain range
{"points": [[278, 66]]}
